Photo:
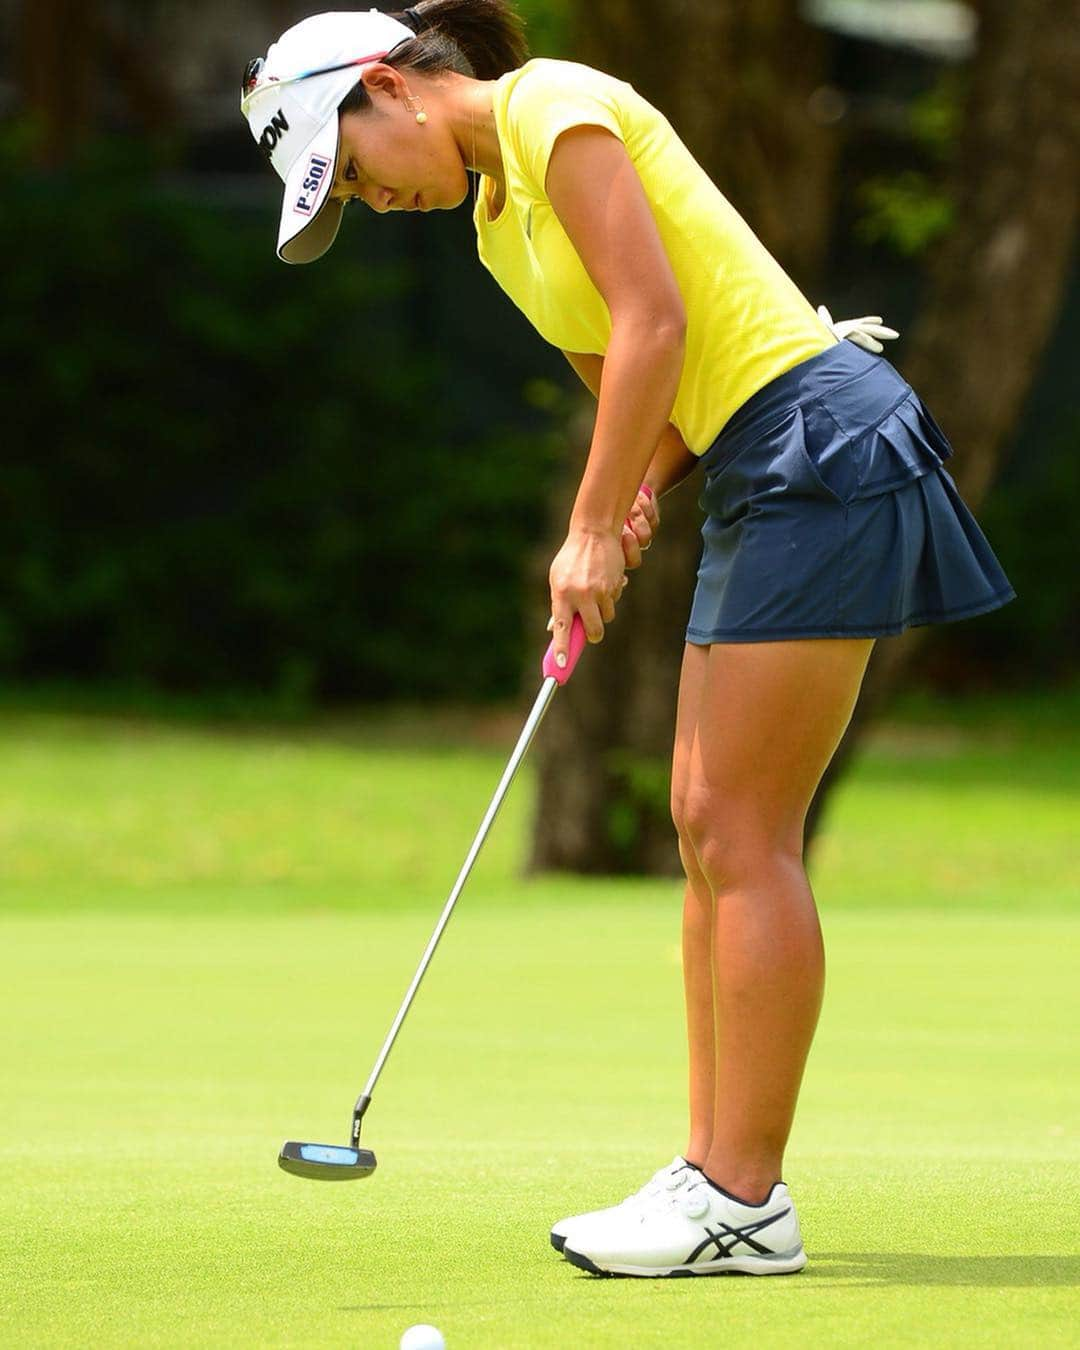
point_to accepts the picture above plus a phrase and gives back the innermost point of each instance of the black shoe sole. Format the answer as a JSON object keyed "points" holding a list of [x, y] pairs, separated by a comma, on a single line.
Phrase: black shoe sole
{"points": [[576, 1259], [558, 1242], [583, 1263]]}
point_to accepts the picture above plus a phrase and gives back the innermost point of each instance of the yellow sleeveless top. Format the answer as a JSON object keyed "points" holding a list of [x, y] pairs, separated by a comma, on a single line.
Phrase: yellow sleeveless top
{"points": [[747, 321]]}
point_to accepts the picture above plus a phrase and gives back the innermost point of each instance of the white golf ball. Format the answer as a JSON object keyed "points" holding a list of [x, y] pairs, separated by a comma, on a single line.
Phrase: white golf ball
{"points": [[423, 1337]]}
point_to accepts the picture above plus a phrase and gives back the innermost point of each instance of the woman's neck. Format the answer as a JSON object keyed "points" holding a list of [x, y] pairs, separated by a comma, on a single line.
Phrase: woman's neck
{"points": [[472, 121]]}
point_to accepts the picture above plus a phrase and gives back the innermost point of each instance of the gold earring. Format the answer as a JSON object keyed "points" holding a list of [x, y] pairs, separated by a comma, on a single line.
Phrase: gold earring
{"points": [[421, 116]]}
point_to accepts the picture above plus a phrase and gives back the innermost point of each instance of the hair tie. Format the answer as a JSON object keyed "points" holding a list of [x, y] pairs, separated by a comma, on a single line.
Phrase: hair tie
{"points": [[413, 19]]}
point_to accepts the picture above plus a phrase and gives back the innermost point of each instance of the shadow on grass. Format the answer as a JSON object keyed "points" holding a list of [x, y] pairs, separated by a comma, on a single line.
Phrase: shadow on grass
{"points": [[911, 1268], [855, 1268]]}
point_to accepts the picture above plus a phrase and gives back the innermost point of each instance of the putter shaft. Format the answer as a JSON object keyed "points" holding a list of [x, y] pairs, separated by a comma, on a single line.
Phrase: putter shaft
{"points": [[540, 707]]}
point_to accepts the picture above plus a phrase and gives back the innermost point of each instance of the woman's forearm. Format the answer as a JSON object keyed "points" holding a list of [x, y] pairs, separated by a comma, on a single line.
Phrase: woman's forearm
{"points": [[641, 373], [672, 461]]}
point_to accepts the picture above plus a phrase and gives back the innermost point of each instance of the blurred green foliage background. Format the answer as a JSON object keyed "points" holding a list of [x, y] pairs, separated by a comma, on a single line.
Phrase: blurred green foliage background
{"points": [[219, 478]]}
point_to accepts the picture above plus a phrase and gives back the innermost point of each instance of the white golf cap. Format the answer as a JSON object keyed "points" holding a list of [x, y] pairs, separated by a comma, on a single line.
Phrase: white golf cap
{"points": [[291, 99]]}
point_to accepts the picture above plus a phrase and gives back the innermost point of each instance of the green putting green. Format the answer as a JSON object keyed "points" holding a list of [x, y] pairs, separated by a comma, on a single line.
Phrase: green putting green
{"points": [[205, 938]]}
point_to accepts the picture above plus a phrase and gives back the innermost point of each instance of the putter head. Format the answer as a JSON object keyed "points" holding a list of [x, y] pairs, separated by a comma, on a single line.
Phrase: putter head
{"points": [[326, 1162]]}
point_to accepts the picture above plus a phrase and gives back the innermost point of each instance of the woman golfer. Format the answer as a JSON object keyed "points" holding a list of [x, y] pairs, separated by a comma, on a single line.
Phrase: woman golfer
{"points": [[830, 520]]}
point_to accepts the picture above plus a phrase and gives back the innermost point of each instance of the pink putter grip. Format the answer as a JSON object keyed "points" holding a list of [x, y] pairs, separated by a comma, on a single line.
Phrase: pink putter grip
{"points": [[577, 646]]}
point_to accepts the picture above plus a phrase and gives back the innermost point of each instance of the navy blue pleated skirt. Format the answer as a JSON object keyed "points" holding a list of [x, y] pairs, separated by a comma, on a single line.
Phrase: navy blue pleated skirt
{"points": [[829, 513]]}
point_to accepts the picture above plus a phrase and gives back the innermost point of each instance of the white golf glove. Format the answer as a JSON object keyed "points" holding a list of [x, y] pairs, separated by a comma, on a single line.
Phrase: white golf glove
{"points": [[863, 332]]}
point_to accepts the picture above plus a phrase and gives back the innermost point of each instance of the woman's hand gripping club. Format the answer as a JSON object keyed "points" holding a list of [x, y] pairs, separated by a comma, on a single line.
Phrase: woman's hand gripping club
{"points": [[587, 576]]}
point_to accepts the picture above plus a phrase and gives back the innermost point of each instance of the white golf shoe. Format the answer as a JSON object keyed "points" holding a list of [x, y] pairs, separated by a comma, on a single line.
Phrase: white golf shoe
{"points": [[670, 1179], [697, 1230]]}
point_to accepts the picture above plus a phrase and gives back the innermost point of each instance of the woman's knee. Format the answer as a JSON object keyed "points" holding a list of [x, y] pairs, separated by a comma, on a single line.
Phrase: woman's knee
{"points": [[699, 893], [732, 839]]}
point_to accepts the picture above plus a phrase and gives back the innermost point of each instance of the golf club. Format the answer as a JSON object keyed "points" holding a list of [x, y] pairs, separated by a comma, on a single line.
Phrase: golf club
{"points": [[336, 1162]]}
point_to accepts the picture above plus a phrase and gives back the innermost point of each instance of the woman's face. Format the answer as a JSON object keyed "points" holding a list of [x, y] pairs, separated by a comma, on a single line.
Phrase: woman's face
{"points": [[386, 158]]}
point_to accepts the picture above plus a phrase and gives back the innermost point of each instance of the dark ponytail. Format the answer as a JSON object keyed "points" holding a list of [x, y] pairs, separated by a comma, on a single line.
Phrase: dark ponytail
{"points": [[479, 38]]}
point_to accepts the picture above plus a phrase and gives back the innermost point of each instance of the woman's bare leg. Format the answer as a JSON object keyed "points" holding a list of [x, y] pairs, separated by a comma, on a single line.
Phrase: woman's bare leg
{"points": [[697, 927], [768, 718]]}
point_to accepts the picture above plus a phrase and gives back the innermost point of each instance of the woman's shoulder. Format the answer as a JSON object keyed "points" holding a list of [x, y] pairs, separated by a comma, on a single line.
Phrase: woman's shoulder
{"points": [[554, 71]]}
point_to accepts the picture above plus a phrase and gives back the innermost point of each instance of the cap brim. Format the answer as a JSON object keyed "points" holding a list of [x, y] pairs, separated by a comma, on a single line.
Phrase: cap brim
{"points": [[310, 217]]}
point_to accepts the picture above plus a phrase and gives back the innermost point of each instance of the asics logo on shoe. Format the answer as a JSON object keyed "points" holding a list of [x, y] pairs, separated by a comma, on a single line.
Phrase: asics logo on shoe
{"points": [[736, 1235]]}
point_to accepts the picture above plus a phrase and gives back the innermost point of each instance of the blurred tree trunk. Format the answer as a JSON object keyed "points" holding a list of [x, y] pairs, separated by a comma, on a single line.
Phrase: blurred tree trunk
{"points": [[58, 48], [735, 81], [996, 283], [67, 52]]}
